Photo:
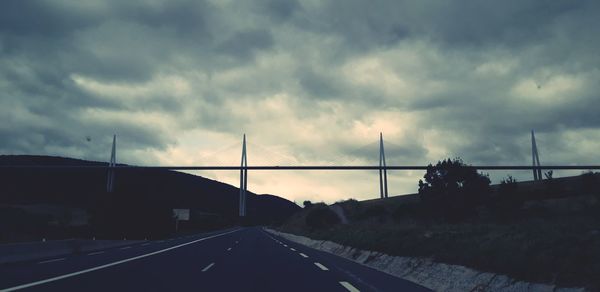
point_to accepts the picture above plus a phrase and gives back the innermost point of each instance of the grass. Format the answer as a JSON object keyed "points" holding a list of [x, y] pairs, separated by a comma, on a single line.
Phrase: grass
{"points": [[561, 249]]}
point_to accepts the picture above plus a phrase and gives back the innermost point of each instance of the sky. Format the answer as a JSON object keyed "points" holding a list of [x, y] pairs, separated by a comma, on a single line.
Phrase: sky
{"points": [[309, 82]]}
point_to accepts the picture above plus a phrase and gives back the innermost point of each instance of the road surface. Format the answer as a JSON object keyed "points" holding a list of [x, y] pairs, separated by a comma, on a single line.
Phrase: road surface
{"points": [[241, 259]]}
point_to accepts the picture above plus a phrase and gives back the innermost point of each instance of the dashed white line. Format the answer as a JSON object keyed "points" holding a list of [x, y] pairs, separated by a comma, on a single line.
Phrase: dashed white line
{"points": [[113, 263], [229, 249], [50, 261], [303, 255], [95, 253], [285, 245], [349, 286], [208, 267], [322, 267], [127, 247], [292, 249]]}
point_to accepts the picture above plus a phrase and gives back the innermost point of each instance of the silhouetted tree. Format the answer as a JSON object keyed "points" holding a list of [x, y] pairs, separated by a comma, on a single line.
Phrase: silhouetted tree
{"points": [[320, 216], [307, 204], [452, 189]]}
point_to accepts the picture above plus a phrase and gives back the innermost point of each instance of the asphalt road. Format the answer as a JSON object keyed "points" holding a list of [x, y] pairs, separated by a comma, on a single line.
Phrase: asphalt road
{"points": [[245, 259]]}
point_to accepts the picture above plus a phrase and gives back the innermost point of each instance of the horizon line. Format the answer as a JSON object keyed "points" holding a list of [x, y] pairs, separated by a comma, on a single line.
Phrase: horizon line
{"points": [[301, 167]]}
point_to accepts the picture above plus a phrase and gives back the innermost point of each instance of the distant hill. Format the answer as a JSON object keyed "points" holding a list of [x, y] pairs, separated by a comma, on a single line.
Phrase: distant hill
{"points": [[537, 231], [83, 187]]}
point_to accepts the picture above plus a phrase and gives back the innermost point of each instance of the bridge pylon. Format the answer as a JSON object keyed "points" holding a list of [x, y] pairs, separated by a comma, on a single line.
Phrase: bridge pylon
{"points": [[537, 173], [243, 179], [110, 180], [383, 189]]}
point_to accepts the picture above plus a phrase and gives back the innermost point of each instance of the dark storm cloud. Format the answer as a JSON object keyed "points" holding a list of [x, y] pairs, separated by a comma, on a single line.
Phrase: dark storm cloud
{"points": [[319, 84], [469, 23], [243, 44], [395, 154], [42, 19], [474, 76]]}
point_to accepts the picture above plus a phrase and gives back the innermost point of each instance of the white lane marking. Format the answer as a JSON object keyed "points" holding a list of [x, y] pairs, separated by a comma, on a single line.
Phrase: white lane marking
{"points": [[50, 261], [208, 267], [229, 249], [303, 255], [285, 245], [127, 247], [292, 249], [349, 286], [95, 253], [145, 244], [324, 268], [113, 263]]}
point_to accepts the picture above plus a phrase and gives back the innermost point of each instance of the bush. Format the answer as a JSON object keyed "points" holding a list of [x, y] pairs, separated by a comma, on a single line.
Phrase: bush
{"points": [[590, 184], [321, 217], [554, 188], [352, 208], [374, 211], [452, 190], [307, 204], [506, 201], [405, 211]]}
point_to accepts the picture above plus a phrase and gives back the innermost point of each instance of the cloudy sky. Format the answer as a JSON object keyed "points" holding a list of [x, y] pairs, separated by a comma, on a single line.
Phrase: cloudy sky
{"points": [[309, 82]]}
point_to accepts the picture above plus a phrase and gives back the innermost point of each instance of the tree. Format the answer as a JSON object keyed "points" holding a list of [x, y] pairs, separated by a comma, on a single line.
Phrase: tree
{"points": [[452, 190], [321, 217], [307, 204]]}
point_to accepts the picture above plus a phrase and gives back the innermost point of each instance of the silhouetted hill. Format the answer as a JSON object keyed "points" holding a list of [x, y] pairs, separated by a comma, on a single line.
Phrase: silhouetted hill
{"points": [[84, 187]]}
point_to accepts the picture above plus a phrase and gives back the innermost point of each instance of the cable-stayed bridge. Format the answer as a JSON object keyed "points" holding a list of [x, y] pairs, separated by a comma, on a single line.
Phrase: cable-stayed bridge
{"points": [[273, 160]]}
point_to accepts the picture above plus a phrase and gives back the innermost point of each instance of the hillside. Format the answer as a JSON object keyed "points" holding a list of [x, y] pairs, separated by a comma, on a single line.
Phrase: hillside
{"points": [[551, 236], [86, 189]]}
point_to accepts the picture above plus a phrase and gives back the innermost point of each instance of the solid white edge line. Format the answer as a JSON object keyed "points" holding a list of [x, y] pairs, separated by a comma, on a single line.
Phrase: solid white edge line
{"points": [[208, 267], [111, 264], [303, 255], [349, 286], [53, 260], [322, 267]]}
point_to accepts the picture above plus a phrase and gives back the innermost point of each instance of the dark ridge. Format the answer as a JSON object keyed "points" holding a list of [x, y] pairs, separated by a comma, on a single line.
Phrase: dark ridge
{"points": [[83, 188]]}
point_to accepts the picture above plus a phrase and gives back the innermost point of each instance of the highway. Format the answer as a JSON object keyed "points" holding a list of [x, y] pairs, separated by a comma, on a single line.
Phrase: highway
{"points": [[241, 259]]}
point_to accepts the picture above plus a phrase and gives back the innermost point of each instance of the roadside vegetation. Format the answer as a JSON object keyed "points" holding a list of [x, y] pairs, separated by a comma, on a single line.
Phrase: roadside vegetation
{"points": [[546, 231]]}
